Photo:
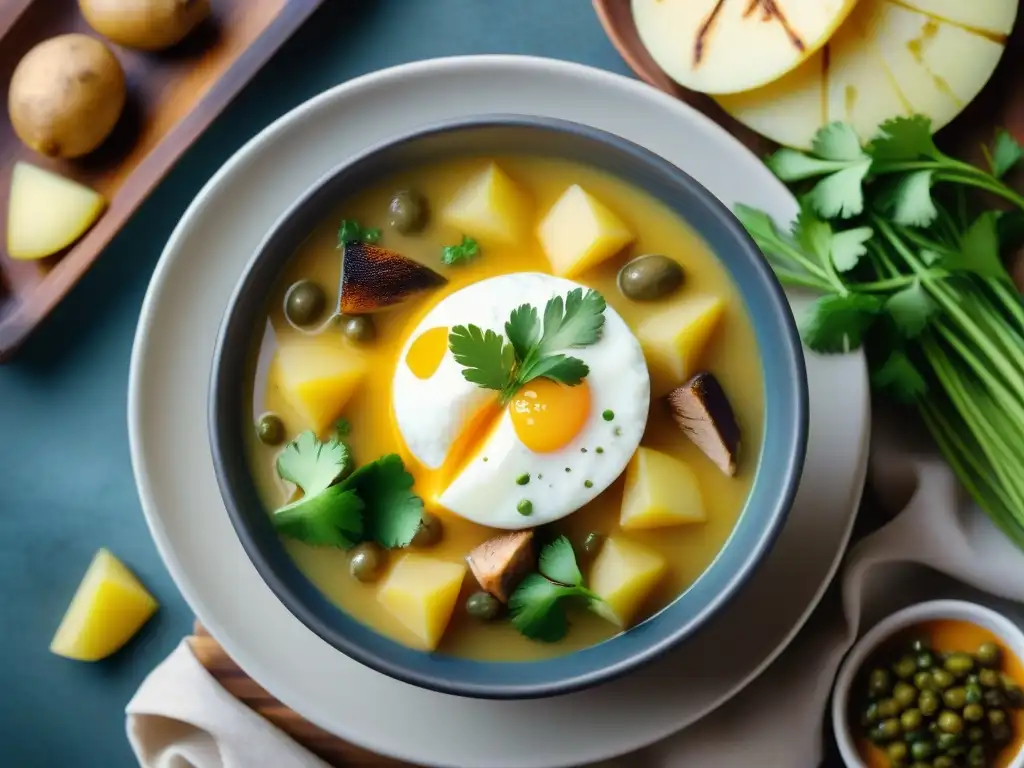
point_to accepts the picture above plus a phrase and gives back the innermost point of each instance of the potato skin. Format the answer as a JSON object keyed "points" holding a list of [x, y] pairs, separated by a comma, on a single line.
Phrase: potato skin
{"points": [[66, 95], [147, 25]]}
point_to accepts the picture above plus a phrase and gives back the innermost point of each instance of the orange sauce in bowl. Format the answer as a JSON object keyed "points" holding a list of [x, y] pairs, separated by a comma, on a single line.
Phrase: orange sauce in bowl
{"points": [[946, 636]]}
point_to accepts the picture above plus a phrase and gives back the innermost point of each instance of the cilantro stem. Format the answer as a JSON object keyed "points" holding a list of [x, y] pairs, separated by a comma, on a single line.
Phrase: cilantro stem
{"points": [[896, 283], [1011, 300]]}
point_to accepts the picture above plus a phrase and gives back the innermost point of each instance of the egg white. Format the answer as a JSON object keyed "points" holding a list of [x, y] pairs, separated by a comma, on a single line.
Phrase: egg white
{"points": [[431, 413]]}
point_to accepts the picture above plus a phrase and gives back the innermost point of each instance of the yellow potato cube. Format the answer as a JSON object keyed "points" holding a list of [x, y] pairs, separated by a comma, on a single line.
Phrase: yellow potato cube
{"points": [[47, 212], [674, 340], [108, 608], [318, 379], [660, 491], [579, 232], [490, 208], [421, 592], [623, 575]]}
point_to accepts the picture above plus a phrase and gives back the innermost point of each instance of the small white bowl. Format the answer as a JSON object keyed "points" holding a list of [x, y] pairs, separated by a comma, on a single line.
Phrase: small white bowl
{"points": [[1010, 635]]}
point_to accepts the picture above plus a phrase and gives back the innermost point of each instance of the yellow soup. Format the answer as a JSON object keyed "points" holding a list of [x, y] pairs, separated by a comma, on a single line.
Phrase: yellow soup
{"points": [[730, 353]]}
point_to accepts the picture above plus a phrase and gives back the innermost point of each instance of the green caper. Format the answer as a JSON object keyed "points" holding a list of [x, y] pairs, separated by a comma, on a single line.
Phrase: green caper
{"points": [[976, 757], [988, 655], [993, 697], [870, 716], [429, 532], [921, 734], [358, 329], [1012, 690], [407, 211], [975, 734], [888, 708], [304, 303], [920, 764], [592, 545], [950, 722], [954, 698], [946, 741], [996, 716], [897, 752], [905, 694], [905, 667], [928, 703], [942, 679], [959, 664], [911, 720], [923, 680], [649, 277], [943, 761], [879, 682], [1001, 733], [922, 750], [989, 678], [925, 660], [972, 679], [973, 693], [366, 561], [270, 429], [888, 729], [482, 606], [973, 713]]}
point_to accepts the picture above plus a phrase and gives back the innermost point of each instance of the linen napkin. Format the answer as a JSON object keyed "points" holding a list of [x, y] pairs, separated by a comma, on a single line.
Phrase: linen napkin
{"points": [[181, 717]]}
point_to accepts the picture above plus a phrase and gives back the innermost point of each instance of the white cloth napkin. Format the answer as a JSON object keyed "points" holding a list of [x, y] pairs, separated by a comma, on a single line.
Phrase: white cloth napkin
{"points": [[181, 717]]}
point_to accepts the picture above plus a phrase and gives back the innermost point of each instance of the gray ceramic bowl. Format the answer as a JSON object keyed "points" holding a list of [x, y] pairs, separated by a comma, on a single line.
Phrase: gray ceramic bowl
{"points": [[779, 464]]}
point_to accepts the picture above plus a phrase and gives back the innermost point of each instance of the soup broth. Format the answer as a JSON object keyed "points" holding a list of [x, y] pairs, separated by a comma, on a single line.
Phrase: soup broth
{"points": [[731, 354]]}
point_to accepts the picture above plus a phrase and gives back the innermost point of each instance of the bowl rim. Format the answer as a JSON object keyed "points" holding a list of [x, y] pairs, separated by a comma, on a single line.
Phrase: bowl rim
{"points": [[1009, 633], [790, 351]]}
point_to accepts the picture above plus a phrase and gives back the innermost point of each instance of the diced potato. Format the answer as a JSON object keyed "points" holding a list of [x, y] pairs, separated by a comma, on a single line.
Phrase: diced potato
{"points": [[490, 208], [317, 379], [623, 575], [421, 592], [579, 232], [47, 212], [108, 608], [674, 340], [660, 491]]}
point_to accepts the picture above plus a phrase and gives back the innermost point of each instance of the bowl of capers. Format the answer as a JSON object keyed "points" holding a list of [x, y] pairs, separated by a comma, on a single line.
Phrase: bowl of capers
{"points": [[935, 685]]}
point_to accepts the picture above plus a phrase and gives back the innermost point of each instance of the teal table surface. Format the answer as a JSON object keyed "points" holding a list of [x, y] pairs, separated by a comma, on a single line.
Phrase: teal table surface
{"points": [[66, 485]]}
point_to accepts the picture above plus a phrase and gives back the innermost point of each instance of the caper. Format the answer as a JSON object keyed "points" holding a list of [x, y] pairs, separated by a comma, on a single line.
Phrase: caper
{"points": [[921, 734], [1011, 689], [993, 697], [304, 303], [975, 734], [973, 713], [482, 606], [649, 277], [921, 764], [954, 698], [925, 660], [959, 664], [928, 703], [950, 722], [407, 211], [358, 329], [905, 694], [888, 729], [923, 680], [897, 752], [943, 761], [976, 757], [270, 429], [988, 655], [911, 720], [946, 741], [922, 750], [973, 693], [942, 679], [592, 545], [989, 678], [888, 708], [905, 667], [366, 561], [429, 532]]}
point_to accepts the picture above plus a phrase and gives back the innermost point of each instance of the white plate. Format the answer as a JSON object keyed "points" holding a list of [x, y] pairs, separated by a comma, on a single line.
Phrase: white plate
{"points": [[171, 456]]}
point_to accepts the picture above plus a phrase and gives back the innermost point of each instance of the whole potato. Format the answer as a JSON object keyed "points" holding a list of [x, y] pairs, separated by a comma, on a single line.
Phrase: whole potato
{"points": [[66, 94], [149, 25]]}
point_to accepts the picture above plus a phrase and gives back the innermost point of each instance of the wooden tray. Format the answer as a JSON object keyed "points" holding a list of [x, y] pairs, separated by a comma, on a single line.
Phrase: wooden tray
{"points": [[173, 97]]}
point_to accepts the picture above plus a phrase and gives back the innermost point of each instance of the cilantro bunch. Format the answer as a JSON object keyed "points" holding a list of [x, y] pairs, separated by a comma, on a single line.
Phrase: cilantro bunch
{"points": [[340, 507], [908, 262], [531, 348]]}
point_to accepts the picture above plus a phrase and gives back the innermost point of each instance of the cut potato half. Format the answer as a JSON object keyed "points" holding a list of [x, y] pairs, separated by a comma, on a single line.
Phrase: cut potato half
{"points": [[888, 59], [727, 46]]}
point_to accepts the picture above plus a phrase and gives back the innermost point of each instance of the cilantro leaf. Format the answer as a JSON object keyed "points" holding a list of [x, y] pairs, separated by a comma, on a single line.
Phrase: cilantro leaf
{"points": [[911, 309], [561, 368], [332, 518], [351, 231], [312, 465], [979, 251], [812, 234], [841, 195], [910, 200], [791, 165], [392, 512], [558, 562], [486, 359], [838, 322], [1006, 153], [903, 138], [536, 609], [900, 378], [523, 330], [578, 325], [837, 141], [464, 251], [847, 247]]}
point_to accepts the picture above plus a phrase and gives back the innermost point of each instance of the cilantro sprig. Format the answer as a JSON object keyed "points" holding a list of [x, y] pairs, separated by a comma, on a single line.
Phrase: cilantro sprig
{"points": [[908, 263], [339, 507], [463, 251], [351, 231], [531, 348], [537, 606]]}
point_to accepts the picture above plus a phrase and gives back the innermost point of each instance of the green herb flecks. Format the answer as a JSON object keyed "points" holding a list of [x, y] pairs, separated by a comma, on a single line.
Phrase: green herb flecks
{"points": [[351, 231], [464, 251]]}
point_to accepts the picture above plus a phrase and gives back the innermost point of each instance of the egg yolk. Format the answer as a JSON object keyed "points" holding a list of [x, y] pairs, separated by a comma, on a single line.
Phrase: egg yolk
{"points": [[547, 415], [427, 351]]}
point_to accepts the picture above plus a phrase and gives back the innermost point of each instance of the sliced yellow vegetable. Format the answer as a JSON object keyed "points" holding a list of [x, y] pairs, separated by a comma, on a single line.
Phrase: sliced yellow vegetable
{"points": [[421, 592], [726, 46], [46, 212], [888, 59], [660, 491], [318, 378], [623, 575], [579, 232], [491, 208], [108, 608]]}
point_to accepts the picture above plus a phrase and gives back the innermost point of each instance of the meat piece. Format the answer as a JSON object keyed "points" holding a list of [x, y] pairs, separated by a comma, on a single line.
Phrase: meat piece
{"points": [[702, 411], [500, 563]]}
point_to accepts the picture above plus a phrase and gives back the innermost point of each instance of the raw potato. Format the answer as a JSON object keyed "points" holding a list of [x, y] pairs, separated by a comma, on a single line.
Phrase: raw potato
{"points": [[317, 379], [660, 491], [149, 25], [579, 232], [421, 592], [66, 95], [623, 575], [674, 339], [928, 57], [108, 608], [46, 212], [490, 208], [727, 46]]}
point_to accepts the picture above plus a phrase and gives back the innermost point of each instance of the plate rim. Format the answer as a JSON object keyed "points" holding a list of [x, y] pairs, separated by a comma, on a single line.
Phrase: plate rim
{"points": [[155, 293]]}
